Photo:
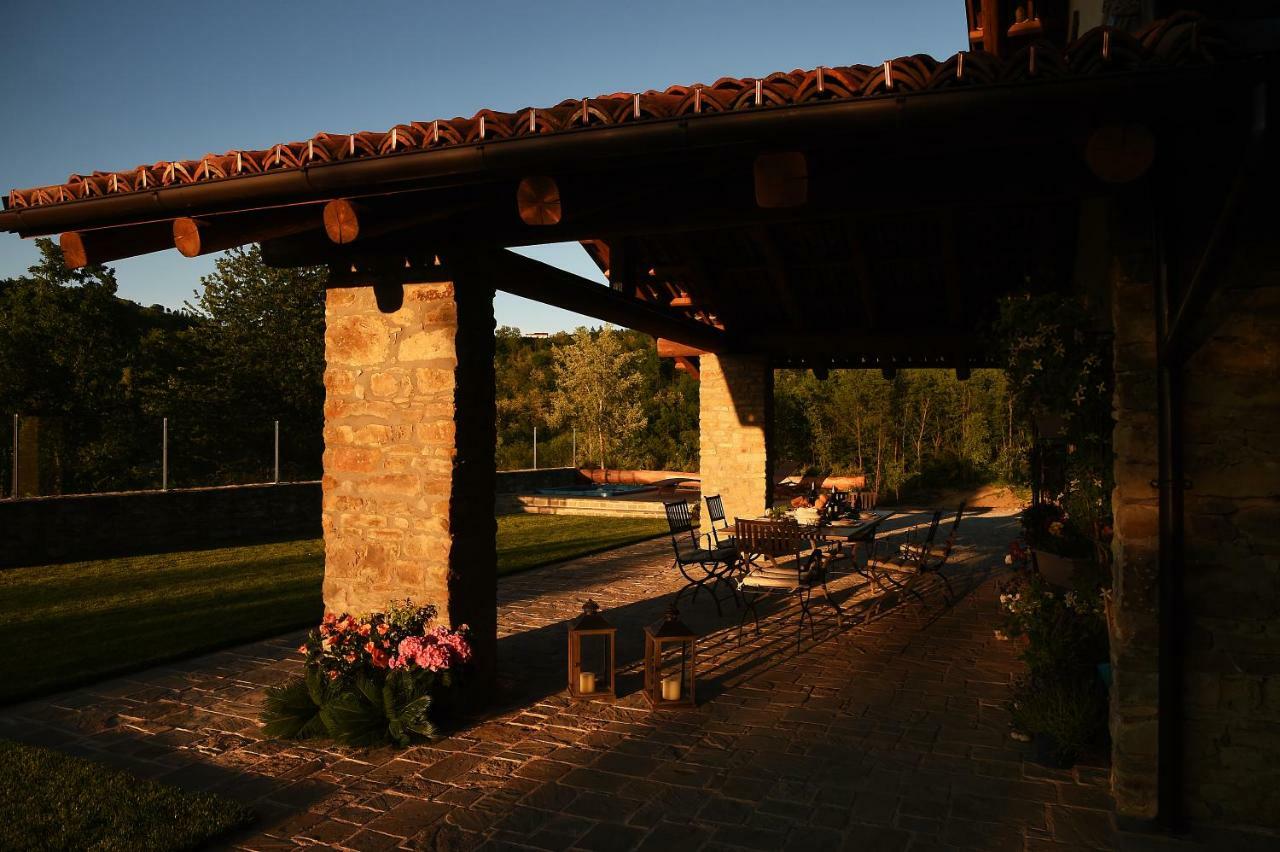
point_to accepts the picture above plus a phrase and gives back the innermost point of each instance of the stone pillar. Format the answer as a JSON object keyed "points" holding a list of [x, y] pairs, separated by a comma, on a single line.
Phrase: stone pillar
{"points": [[735, 419], [409, 453], [1134, 612]]}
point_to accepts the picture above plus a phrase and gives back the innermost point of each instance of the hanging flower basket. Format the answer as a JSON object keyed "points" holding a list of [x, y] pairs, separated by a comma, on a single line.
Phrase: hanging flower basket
{"points": [[1057, 570]]}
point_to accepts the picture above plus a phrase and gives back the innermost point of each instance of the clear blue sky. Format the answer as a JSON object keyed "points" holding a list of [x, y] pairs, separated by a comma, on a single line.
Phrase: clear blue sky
{"points": [[97, 85]]}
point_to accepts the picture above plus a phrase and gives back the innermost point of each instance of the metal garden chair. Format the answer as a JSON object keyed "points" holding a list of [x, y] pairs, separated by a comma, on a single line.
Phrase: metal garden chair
{"points": [[916, 561], [920, 552], [774, 562], [717, 522], [689, 552]]}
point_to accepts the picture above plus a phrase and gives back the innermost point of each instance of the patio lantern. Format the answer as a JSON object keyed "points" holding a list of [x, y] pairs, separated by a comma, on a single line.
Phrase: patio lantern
{"points": [[670, 654], [592, 657]]}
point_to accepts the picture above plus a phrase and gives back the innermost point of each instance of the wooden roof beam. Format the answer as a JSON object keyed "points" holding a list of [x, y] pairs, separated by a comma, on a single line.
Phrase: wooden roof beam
{"points": [[862, 275], [82, 248], [922, 345], [348, 220], [541, 282], [672, 349], [776, 270], [196, 237]]}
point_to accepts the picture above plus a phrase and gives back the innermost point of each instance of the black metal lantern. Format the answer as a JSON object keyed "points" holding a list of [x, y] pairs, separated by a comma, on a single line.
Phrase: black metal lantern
{"points": [[670, 657], [592, 656]]}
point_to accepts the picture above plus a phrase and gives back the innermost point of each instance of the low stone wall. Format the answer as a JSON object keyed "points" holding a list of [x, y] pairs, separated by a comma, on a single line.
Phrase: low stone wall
{"points": [[602, 507], [41, 530]]}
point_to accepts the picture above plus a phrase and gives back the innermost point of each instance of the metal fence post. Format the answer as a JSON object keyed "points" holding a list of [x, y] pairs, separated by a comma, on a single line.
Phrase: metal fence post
{"points": [[535, 447], [277, 453], [14, 484], [164, 456]]}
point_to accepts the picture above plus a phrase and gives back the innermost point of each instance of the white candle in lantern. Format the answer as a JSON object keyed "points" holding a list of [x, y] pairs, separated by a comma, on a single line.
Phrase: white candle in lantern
{"points": [[587, 682], [671, 688]]}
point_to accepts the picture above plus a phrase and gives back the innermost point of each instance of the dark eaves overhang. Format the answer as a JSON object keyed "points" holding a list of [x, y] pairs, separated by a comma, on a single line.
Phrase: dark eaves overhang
{"points": [[1148, 94]]}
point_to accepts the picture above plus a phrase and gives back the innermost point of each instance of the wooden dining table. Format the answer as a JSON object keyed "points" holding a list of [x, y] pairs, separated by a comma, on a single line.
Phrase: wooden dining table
{"points": [[841, 532], [838, 531]]}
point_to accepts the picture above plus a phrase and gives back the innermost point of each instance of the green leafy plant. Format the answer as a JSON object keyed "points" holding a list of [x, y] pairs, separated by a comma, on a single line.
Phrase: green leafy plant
{"points": [[1065, 631], [1068, 714], [371, 680]]}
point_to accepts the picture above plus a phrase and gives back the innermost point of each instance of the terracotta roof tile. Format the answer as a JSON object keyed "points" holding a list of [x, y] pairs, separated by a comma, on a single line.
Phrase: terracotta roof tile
{"points": [[1180, 40]]}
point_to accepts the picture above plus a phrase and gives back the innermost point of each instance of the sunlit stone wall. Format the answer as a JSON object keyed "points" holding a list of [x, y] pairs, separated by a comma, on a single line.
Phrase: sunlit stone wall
{"points": [[735, 414], [409, 453]]}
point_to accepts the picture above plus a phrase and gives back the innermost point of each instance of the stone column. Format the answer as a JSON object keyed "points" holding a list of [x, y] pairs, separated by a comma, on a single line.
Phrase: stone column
{"points": [[735, 422], [1134, 614], [409, 453]]}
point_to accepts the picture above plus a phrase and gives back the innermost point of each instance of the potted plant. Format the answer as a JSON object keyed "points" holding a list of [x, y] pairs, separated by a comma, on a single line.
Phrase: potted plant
{"points": [[387, 677], [1066, 716], [1057, 547], [1060, 700]]}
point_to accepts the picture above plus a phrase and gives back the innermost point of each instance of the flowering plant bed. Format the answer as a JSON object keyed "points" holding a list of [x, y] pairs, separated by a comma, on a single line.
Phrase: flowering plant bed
{"points": [[1060, 699], [370, 680]]}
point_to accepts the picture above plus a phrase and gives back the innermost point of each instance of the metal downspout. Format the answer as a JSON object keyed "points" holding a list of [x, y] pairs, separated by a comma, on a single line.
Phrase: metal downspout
{"points": [[1170, 554]]}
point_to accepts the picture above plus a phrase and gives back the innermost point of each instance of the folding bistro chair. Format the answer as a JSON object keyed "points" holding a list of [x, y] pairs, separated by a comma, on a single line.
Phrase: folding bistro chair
{"points": [[689, 552], [717, 522], [884, 574], [919, 551], [932, 559], [919, 560], [775, 565]]}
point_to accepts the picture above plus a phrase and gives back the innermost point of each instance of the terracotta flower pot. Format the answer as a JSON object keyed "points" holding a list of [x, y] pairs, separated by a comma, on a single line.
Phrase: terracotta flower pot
{"points": [[1056, 570]]}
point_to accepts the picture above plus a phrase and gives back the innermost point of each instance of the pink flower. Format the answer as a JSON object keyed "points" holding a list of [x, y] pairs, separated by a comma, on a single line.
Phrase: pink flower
{"points": [[302, 649]]}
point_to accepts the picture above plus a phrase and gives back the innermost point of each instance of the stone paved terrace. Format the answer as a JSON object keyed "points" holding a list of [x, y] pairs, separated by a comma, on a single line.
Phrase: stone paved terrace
{"points": [[884, 736]]}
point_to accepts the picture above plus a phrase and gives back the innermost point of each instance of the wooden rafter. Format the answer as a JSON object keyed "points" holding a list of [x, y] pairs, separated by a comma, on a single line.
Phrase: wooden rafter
{"points": [[532, 279], [776, 270]]}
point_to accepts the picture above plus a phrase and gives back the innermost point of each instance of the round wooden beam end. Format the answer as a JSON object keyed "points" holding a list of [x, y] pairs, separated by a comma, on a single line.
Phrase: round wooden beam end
{"points": [[538, 200], [73, 250], [1120, 153], [186, 236], [341, 221]]}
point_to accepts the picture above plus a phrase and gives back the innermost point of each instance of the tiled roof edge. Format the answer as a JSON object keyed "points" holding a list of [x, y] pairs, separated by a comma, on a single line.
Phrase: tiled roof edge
{"points": [[1184, 39]]}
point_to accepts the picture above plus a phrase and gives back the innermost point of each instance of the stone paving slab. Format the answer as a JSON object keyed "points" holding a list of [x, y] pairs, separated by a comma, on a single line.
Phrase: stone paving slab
{"points": [[888, 735]]}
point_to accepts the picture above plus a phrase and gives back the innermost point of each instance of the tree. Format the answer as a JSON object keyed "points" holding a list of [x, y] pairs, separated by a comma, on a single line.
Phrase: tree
{"points": [[598, 385], [69, 348], [256, 356]]}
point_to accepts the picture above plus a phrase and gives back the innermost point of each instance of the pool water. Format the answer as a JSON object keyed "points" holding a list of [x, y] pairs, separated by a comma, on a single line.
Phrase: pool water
{"points": [[608, 489]]}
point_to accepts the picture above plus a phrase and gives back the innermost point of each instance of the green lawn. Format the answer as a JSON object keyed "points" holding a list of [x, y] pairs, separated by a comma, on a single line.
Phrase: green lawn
{"points": [[526, 541], [53, 801], [62, 625]]}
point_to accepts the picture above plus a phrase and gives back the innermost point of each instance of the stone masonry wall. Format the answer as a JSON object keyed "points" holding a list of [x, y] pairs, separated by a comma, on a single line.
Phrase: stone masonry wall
{"points": [[735, 417], [1134, 608], [409, 453], [1232, 460], [1230, 730]]}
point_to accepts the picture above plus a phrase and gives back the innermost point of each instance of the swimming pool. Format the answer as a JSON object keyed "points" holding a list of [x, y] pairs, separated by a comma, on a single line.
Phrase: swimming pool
{"points": [[608, 489]]}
